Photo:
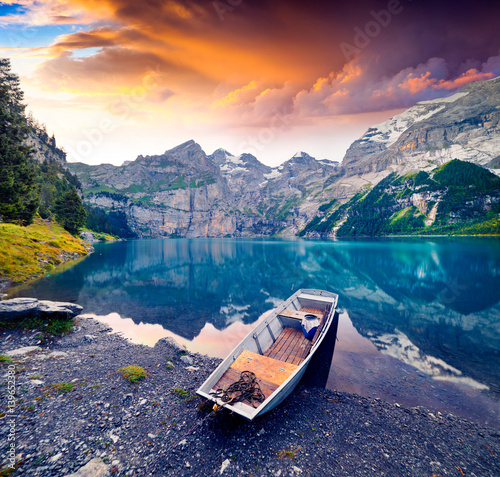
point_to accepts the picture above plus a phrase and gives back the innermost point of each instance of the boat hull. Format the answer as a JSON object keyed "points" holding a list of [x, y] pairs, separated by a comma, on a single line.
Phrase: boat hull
{"points": [[261, 341]]}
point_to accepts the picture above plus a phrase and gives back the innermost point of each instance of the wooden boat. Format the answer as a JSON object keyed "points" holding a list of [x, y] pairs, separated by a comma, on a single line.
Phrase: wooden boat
{"points": [[276, 351]]}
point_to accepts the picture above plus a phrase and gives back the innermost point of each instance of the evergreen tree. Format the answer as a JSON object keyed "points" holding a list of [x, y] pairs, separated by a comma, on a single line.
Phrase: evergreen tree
{"points": [[70, 212], [17, 201]]}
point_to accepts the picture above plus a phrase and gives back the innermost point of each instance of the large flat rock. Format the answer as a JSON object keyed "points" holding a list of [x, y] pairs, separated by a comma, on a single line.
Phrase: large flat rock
{"points": [[20, 308]]}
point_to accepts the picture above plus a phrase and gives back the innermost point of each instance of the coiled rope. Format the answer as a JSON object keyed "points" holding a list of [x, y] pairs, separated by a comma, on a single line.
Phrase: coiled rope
{"points": [[245, 389]]}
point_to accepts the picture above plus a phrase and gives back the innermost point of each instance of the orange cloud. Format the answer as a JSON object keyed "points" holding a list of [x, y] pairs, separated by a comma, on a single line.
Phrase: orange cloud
{"points": [[421, 83], [242, 94], [465, 79]]}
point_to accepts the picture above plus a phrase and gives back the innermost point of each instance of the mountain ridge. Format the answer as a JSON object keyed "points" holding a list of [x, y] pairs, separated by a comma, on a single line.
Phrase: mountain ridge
{"points": [[186, 192]]}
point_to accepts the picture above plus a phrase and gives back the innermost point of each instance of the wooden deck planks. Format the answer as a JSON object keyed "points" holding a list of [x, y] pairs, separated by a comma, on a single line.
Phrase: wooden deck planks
{"points": [[270, 373], [291, 346], [278, 349], [313, 311], [299, 315]]}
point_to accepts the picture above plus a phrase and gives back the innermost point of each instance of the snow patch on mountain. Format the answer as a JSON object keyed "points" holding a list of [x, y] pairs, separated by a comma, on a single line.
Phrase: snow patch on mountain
{"points": [[274, 173], [389, 131], [449, 99]]}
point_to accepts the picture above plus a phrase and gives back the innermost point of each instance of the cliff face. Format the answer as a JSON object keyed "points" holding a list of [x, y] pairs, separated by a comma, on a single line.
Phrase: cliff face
{"points": [[184, 192], [44, 148]]}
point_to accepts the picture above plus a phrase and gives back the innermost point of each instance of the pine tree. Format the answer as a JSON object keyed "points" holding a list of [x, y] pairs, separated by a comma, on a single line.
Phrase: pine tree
{"points": [[70, 212], [17, 171]]}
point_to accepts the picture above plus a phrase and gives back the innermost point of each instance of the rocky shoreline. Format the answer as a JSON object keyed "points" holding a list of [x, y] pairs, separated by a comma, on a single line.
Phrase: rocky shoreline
{"points": [[75, 415]]}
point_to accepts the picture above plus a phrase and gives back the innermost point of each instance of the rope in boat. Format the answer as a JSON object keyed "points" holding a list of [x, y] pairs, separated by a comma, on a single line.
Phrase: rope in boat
{"points": [[245, 389]]}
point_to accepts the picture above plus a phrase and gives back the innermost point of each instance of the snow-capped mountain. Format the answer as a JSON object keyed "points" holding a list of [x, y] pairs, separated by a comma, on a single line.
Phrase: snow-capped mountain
{"points": [[463, 126], [185, 192]]}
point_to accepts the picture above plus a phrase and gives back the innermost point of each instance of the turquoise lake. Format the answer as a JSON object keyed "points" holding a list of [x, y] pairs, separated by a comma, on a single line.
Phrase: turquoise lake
{"points": [[419, 319]]}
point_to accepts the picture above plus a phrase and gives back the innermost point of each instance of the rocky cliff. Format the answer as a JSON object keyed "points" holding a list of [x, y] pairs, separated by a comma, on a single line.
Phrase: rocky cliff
{"points": [[184, 192], [464, 126]]}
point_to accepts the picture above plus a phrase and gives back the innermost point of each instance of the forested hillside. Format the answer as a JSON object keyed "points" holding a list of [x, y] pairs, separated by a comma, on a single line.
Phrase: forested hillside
{"points": [[33, 179], [456, 198]]}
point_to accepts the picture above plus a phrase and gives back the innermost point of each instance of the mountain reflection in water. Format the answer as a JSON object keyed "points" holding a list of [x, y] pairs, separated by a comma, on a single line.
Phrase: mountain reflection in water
{"points": [[425, 308]]}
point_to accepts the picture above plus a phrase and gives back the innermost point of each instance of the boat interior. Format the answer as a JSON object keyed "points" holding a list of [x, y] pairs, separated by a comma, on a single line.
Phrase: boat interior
{"points": [[279, 347]]}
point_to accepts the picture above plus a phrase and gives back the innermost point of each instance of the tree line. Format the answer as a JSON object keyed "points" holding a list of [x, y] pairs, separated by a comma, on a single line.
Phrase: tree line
{"points": [[28, 188]]}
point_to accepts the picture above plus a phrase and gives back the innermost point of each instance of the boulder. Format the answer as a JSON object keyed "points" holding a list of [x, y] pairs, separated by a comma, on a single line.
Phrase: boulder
{"points": [[169, 342], [20, 308], [88, 237]]}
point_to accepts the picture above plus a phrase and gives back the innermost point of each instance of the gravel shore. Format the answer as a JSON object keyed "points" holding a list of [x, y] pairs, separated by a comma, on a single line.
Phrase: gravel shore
{"points": [[75, 414]]}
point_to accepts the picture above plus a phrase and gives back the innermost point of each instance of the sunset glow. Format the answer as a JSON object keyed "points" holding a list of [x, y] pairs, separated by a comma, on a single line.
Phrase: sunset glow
{"points": [[116, 78]]}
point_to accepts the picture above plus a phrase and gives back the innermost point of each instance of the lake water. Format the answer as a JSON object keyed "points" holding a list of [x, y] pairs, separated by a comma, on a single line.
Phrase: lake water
{"points": [[419, 320]]}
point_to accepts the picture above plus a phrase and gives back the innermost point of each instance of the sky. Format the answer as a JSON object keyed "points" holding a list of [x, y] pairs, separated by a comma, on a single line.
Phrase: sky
{"points": [[113, 79]]}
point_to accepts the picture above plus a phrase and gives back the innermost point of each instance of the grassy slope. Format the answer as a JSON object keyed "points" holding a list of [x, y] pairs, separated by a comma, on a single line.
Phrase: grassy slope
{"points": [[30, 252]]}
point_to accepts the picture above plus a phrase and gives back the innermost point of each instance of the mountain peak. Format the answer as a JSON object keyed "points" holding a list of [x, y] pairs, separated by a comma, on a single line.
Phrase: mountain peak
{"points": [[301, 158], [222, 151], [191, 144]]}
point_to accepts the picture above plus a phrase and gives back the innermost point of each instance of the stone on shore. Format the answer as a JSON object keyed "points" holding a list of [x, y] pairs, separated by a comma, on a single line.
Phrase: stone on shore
{"points": [[169, 342], [94, 468], [16, 353], [88, 237], [20, 308]]}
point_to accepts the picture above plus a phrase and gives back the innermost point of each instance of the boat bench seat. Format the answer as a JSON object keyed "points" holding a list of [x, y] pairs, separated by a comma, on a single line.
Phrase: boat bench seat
{"points": [[299, 315]]}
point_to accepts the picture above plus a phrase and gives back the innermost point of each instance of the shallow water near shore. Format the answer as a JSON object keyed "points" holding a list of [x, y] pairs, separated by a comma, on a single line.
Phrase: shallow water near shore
{"points": [[419, 320]]}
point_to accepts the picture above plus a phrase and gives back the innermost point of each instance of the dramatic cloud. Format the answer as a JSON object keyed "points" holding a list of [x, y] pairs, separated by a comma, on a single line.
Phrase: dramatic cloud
{"points": [[224, 70]]}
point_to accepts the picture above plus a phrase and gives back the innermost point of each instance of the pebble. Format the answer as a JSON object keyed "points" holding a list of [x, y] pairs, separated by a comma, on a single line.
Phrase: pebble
{"points": [[187, 360]]}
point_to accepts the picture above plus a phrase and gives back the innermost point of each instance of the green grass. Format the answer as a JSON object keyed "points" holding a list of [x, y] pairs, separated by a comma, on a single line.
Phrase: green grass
{"points": [[60, 388], [132, 374], [49, 326], [182, 393], [99, 188], [30, 252], [103, 237], [5, 359]]}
